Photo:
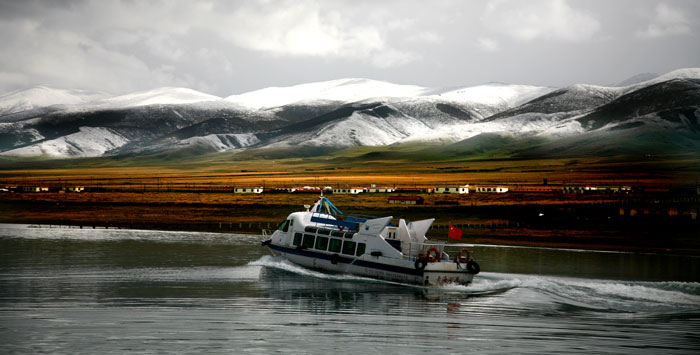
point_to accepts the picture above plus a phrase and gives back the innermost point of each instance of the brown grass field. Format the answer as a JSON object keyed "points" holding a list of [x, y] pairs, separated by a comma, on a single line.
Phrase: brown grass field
{"points": [[184, 196], [407, 174]]}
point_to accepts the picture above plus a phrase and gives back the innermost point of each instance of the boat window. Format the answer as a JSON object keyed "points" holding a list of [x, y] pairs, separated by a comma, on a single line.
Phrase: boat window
{"points": [[297, 239], [349, 235], [284, 226], [360, 249], [324, 231], [321, 243], [349, 247], [394, 243], [310, 229], [308, 241], [334, 245], [337, 233]]}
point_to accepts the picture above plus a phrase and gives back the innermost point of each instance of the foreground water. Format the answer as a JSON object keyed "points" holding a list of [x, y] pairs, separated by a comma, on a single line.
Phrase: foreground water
{"points": [[127, 291]]}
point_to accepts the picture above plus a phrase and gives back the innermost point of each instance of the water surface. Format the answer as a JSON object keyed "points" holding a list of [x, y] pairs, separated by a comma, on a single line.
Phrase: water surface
{"points": [[118, 291]]}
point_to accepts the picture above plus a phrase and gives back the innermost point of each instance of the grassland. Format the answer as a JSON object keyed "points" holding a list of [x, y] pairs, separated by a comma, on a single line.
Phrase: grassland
{"points": [[357, 166], [157, 192]]}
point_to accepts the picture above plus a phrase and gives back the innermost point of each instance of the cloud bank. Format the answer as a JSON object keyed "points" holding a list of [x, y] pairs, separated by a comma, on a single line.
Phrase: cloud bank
{"points": [[224, 47]]}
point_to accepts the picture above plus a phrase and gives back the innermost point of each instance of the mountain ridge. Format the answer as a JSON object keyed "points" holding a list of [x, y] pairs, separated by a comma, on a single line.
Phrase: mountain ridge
{"points": [[349, 112]]}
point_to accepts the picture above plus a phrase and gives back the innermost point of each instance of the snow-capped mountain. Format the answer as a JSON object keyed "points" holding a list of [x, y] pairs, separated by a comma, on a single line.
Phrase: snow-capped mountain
{"points": [[496, 94], [43, 96], [343, 90], [87, 142], [160, 96], [354, 112], [357, 90], [685, 73]]}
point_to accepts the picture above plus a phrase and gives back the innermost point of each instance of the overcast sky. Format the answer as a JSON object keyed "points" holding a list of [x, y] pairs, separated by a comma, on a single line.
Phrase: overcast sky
{"points": [[230, 47]]}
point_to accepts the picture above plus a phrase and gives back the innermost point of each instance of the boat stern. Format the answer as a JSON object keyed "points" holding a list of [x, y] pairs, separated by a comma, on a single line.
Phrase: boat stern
{"points": [[443, 273]]}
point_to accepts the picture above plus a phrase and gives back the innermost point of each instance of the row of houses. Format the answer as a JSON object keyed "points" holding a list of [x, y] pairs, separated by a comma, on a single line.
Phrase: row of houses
{"points": [[596, 189], [42, 189], [337, 191], [464, 189], [459, 189]]}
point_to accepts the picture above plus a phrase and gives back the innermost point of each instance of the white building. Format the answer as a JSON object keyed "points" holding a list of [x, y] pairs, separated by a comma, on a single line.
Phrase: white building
{"points": [[491, 189], [452, 189], [35, 189], [348, 190], [375, 189], [248, 190], [607, 189], [572, 189]]}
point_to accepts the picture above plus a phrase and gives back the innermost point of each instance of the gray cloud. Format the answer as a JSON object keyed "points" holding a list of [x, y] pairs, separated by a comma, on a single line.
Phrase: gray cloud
{"points": [[540, 19], [666, 21], [223, 47]]}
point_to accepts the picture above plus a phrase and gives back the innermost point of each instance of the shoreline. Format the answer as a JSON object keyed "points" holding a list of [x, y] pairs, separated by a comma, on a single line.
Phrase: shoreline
{"points": [[562, 221], [557, 243]]}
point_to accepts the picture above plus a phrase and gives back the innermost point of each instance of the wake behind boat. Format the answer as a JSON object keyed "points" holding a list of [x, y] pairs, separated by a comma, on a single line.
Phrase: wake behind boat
{"points": [[322, 238]]}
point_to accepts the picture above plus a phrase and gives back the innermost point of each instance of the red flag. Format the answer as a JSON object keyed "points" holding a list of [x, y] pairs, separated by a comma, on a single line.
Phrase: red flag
{"points": [[455, 233]]}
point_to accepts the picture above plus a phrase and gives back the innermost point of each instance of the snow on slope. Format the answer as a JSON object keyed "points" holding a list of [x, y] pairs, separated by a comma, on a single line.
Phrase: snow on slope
{"points": [[593, 90], [42, 96], [222, 142], [365, 129], [359, 129], [344, 90], [415, 113], [484, 99], [89, 142], [558, 124], [543, 125], [686, 73], [613, 92], [496, 94], [160, 96]]}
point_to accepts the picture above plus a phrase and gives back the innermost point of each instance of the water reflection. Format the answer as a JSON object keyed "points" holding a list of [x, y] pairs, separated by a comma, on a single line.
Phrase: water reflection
{"points": [[146, 291], [590, 264], [319, 295]]}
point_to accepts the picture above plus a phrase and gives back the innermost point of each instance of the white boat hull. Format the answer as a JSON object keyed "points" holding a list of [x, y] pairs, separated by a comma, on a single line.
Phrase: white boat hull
{"points": [[381, 268], [322, 239]]}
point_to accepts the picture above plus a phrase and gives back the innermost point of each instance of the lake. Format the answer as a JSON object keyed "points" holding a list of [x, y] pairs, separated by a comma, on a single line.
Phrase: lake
{"points": [[135, 291]]}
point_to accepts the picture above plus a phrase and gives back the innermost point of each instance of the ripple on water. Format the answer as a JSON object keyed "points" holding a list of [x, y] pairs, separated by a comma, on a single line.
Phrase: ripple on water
{"points": [[116, 291]]}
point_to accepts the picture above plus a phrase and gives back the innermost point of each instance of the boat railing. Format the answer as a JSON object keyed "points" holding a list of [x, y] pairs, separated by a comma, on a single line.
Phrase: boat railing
{"points": [[267, 233], [444, 250]]}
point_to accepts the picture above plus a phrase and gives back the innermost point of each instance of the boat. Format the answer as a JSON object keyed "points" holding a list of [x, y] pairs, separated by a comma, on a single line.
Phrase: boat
{"points": [[323, 238]]}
